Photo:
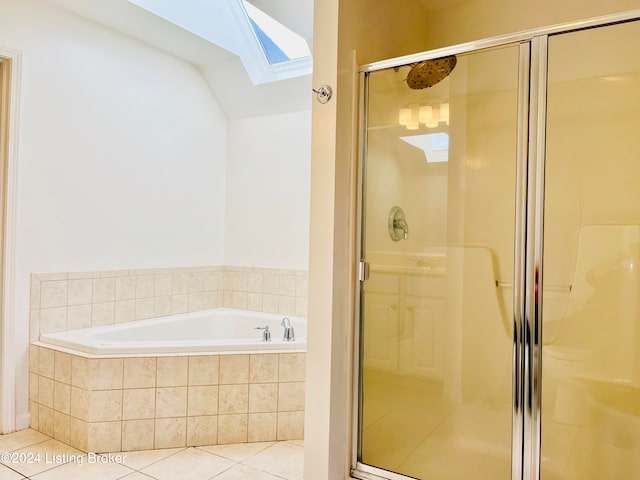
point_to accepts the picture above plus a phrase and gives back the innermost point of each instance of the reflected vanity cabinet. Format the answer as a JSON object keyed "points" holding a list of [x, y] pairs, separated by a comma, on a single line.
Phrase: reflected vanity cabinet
{"points": [[405, 312]]}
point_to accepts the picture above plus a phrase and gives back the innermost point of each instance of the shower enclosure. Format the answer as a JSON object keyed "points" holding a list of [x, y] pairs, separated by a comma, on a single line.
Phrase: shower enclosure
{"points": [[482, 354]]}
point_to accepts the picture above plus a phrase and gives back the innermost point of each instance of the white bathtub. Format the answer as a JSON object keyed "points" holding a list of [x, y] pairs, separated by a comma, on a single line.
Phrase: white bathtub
{"points": [[217, 330]]}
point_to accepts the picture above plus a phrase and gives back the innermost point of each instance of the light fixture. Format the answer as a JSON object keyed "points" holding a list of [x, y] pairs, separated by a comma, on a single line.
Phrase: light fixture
{"points": [[444, 113], [412, 116], [404, 117]]}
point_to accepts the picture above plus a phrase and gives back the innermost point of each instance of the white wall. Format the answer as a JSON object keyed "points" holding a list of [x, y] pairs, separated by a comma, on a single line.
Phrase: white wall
{"points": [[121, 156], [268, 176]]}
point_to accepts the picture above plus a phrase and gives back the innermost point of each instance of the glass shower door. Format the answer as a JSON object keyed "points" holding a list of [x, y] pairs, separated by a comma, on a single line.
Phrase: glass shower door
{"points": [[591, 304], [436, 311]]}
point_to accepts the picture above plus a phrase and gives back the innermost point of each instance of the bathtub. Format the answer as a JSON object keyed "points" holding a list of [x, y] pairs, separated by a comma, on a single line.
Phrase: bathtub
{"points": [[208, 331]]}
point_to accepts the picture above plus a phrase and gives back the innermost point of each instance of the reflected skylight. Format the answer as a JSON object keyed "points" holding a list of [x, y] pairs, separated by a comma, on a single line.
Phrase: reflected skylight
{"points": [[434, 145]]}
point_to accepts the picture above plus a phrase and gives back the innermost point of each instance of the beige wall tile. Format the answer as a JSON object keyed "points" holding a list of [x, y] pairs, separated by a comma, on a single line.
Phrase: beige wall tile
{"points": [[78, 434], [80, 371], [254, 282], [202, 431], [263, 397], [80, 292], [33, 386], [105, 405], [34, 293], [270, 303], [82, 275], [106, 373], [239, 281], [162, 285], [227, 279], [137, 435], [287, 285], [292, 367], [291, 396], [171, 432], [286, 305], [263, 368], [270, 283], [179, 303], [125, 311], [34, 352], [234, 369], [53, 320], [302, 307], [302, 285], [115, 273], [104, 290], [103, 314], [61, 427], [49, 276], [254, 302], [171, 402], [80, 403], [139, 403], [34, 325], [203, 370], [62, 397], [144, 308], [33, 414], [139, 372], [104, 437], [125, 288], [262, 427], [202, 400], [233, 399], [45, 420], [45, 391], [196, 282], [53, 294], [210, 281], [290, 426], [210, 300], [196, 301], [78, 316], [239, 300], [45, 362], [232, 428], [145, 286], [227, 298], [62, 367], [172, 371], [179, 283], [162, 306]]}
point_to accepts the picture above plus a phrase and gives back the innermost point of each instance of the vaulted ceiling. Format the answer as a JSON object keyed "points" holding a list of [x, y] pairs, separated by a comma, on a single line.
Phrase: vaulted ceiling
{"points": [[222, 69]]}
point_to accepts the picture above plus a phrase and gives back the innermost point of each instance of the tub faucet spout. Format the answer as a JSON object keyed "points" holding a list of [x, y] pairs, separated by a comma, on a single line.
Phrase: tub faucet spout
{"points": [[288, 335]]}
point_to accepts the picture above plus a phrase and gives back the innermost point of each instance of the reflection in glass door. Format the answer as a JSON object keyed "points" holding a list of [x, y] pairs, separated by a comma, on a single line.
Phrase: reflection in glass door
{"points": [[591, 306], [439, 226]]}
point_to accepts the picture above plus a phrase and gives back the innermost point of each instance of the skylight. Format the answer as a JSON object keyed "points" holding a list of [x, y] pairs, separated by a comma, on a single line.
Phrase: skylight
{"points": [[434, 145], [269, 51], [278, 43]]}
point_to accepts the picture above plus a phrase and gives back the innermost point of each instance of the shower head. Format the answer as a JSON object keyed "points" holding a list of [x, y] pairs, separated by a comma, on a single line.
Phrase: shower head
{"points": [[428, 73]]}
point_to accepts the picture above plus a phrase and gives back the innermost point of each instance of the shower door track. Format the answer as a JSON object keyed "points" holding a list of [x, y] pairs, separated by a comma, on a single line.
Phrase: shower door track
{"points": [[528, 268]]}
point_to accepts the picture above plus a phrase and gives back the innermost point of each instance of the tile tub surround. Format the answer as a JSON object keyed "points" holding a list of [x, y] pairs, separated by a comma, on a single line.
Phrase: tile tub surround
{"points": [[140, 403], [69, 300]]}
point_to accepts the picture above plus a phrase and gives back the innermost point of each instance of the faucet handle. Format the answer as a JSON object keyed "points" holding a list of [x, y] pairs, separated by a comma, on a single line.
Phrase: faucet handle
{"points": [[286, 323], [266, 335]]}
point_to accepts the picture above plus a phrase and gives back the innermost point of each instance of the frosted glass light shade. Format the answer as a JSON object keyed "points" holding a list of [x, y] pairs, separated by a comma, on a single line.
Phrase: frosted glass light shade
{"points": [[444, 113], [425, 114], [404, 117]]}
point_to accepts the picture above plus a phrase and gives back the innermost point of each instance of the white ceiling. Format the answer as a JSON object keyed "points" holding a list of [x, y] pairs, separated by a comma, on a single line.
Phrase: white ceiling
{"points": [[227, 78]]}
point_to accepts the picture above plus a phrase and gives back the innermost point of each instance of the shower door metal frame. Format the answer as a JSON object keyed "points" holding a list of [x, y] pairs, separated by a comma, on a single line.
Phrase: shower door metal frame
{"points": [[529, 235]]}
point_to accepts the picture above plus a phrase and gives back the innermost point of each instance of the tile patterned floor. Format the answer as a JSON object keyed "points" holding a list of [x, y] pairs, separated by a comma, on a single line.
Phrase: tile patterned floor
{"points": [[30, 454]]}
